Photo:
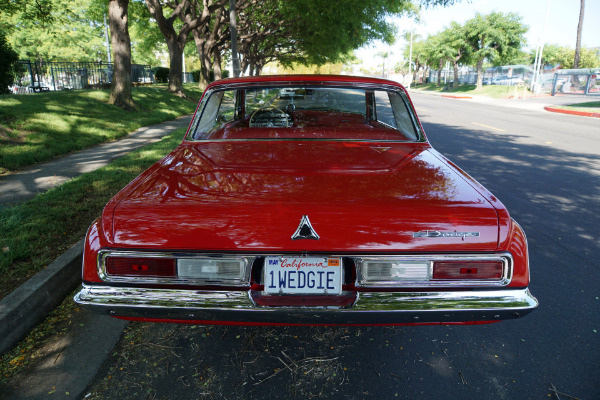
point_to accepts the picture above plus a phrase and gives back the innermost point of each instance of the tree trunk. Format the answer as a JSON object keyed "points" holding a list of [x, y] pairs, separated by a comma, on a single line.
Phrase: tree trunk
{"points": [[175, 67], [440, 66], [480, 74], [579, 29], [415, 73], [120, 91], [217, 63], [455, 67], [258, 69], [175, 41], [199, 40]]}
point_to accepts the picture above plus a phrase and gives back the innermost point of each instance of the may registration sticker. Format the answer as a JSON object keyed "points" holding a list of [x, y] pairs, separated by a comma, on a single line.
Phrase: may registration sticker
{"points": [[303, 275]]}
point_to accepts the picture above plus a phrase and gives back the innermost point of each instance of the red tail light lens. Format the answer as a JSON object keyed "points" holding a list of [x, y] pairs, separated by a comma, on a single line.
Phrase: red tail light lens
{"points": [[477, 270], [132, 266]]}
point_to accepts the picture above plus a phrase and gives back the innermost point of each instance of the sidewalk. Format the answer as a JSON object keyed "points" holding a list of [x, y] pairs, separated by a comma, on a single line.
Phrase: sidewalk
{"points": [[534, 103], [27, 183], [70, 359]]}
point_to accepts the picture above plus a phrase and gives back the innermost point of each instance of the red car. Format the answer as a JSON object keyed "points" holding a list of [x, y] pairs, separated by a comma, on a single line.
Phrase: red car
{"points": [[306, 200]]}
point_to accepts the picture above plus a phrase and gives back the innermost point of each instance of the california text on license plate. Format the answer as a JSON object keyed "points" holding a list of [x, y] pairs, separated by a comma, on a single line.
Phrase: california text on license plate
{"points": [[303, 275]]}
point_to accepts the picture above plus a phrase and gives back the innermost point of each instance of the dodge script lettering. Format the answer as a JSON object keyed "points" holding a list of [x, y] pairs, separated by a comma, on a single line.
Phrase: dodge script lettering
{"points": [[438, 234]]}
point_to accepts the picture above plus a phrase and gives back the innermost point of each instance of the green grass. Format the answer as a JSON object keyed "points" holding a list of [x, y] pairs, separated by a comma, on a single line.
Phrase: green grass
{"points": [[494, 91], [34, 233], [586, 106], [589, 107], [39, 127]]}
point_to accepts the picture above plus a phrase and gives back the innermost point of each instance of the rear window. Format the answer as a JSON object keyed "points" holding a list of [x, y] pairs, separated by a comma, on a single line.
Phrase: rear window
{"points": [[304, 112]]}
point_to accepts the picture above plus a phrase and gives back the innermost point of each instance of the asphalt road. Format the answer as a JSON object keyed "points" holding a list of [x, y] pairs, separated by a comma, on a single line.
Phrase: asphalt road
{"points": [[546, 169]]}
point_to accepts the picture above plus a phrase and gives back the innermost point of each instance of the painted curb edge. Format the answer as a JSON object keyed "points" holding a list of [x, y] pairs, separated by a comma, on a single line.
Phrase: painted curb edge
{"points": [[572, 112], [30, 303]]}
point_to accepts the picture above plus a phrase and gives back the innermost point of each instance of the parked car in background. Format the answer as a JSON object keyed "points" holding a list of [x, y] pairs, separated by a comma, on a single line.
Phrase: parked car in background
{"points": [[306, 200], [506, 81]]}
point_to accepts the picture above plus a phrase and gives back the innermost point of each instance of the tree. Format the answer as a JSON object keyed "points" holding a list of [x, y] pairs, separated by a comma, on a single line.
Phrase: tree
{"points": [[147, 42], [454, 47], [210, 38], [324, 31], [437, 53], [420, 57], [492, 36], [588, 58], [185, 16], [120, 92], [578, 42], [37, 10], [8, 57], [266, 35], [75, 34], [563, 57]]}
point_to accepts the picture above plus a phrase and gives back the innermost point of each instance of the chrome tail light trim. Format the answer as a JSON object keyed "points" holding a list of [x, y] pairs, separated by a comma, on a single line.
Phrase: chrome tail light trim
{"points": [[505, 258], [244, 282]]}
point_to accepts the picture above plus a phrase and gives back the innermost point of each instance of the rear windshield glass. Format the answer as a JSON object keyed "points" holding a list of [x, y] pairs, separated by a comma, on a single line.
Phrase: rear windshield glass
{"points": [[304, 112]]}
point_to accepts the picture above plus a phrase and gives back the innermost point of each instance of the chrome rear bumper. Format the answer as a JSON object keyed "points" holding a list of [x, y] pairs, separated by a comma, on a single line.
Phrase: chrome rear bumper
{"points": [[371, 307]]}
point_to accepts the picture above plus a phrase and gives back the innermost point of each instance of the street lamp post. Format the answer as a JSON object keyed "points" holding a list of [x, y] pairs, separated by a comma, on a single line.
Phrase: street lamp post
{"points": [[235, 61], [537, 67], [410, 56], [107, 41]]}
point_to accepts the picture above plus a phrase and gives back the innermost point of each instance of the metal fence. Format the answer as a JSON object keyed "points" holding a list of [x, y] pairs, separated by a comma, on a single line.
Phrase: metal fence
{"points": [[576, 81], [41, 76], [570, 81], [510, 75]]}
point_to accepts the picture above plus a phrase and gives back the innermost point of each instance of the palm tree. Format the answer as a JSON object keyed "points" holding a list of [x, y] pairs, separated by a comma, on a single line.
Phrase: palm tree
{"points": [[579, 29]]}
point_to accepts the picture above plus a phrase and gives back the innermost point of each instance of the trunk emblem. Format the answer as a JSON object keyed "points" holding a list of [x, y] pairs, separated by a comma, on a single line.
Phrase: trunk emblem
{"points": [[436, 234], [305, 230]]}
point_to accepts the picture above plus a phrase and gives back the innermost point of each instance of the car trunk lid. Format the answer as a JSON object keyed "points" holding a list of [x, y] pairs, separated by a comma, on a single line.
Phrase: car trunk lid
{"points": [[250, 196]]}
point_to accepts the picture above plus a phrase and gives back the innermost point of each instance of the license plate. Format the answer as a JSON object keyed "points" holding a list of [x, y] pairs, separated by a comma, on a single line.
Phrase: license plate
{"points": [[303, 275]]}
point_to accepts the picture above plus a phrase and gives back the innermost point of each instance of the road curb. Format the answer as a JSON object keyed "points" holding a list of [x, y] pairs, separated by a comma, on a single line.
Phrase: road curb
{"points": [[30, 303], [572, 112]]}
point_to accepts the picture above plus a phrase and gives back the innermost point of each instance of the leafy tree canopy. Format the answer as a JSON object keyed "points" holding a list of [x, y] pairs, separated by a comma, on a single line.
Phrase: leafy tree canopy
{"points": [[75, 33], [38, 10], [555, 55], [495, 36], [326, 30]]}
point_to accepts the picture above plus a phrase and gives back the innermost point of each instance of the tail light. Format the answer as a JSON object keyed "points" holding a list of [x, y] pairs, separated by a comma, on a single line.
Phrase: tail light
{"points": [[232, 270], [132, 266], [394, 270], [165, 268], [437, 270], [479, 270]]}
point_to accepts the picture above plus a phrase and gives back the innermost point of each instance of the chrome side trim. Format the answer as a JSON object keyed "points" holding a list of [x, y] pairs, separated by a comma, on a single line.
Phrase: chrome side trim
{"points": [[370, 308], [505, 258]]}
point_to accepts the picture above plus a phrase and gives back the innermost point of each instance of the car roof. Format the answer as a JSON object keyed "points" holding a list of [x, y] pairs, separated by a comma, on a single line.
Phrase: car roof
{"points": [[306, 78]]}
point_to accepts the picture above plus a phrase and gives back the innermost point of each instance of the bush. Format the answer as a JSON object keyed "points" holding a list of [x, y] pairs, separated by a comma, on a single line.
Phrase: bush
{"points": [[196, 75], [161, 75], [8, 57]]}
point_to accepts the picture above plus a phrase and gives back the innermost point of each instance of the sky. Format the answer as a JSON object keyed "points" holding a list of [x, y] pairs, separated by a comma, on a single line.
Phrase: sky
{"points": [[561, 29]]}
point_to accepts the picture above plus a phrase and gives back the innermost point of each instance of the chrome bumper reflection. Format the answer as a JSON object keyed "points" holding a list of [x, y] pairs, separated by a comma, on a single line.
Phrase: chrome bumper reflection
{"points": [[370, 308]]}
